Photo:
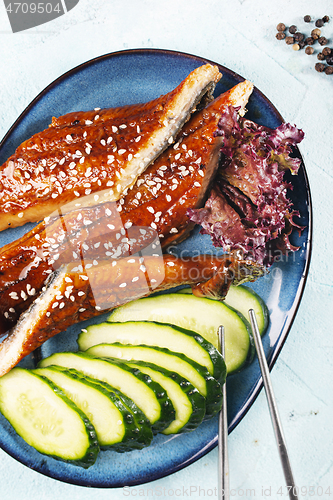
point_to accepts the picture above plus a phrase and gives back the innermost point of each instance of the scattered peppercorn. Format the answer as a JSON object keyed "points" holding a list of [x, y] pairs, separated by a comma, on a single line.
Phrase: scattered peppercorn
{"points": [[329, 60], [326, 51], [301, 44], [326, 19], [299, 36], [290, 40], [321, 57], [315, 33], [307, 19], [280, 35], [329, 70], [281, 27], [309, 40], [319, 23], [292, 29], [296, 46], [309, 50], [322, 40], [319, 67]]}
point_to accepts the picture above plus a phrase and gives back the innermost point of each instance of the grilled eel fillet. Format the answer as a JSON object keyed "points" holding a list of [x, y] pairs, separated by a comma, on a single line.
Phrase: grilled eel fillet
{"points": [[72, 296], [157, 205], [82, 153]]}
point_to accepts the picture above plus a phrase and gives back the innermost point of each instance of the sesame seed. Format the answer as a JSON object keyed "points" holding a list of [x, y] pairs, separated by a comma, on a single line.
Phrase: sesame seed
{"points": [[122, 285], [96, 117], [55, 304], [62, 305], [82, 309], [89, 122], [173, 230], [80, 294], [114, 129], [62, 161], [136, 278], [109, 183], [87, 192], [103, 142], [151, 210], [122, 151], [20, 214], [168, 197], [197, 184], [177, 156], [137, 139], [83, 277], [69, 137]]}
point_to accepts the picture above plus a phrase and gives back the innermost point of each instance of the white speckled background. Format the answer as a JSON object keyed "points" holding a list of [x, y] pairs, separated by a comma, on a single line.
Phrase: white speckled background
{"points": [[239, 34]]}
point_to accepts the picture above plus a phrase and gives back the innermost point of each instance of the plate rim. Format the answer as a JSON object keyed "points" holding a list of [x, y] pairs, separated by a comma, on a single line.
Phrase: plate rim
{"points": [[301, 284]]}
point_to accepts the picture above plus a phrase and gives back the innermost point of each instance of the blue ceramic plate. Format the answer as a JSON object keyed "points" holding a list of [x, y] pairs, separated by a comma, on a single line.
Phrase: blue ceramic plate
{"points": [[131, 77]]}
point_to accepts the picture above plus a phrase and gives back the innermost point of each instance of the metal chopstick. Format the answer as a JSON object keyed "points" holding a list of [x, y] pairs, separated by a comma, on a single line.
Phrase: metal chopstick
{"points": [[292, 491], [224, 491]]}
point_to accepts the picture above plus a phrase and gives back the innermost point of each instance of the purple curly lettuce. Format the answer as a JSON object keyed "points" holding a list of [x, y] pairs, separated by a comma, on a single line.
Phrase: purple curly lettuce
{"points": [[248, 208]]}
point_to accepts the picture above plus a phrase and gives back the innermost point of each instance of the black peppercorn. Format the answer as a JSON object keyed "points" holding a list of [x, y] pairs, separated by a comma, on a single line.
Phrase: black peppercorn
{"points": [[309, 50], [319, 23], [329, 60], [326, 51], [309, 40], [307, 19], [329, 70], [292, 29], [290, 40], [301, 44], [322, 40], [280, 35], [319, 67], [315, 33], [281, 27], [298, 36], [326, 19], [321, 57]]}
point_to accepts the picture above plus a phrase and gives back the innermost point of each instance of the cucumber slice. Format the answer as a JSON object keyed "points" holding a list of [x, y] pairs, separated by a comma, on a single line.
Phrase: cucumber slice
{"points": [[242, 298], [188, 402], [146, 394], [200, 315], [150, 333], [196, 374], [114, 424], [46, 419]]}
